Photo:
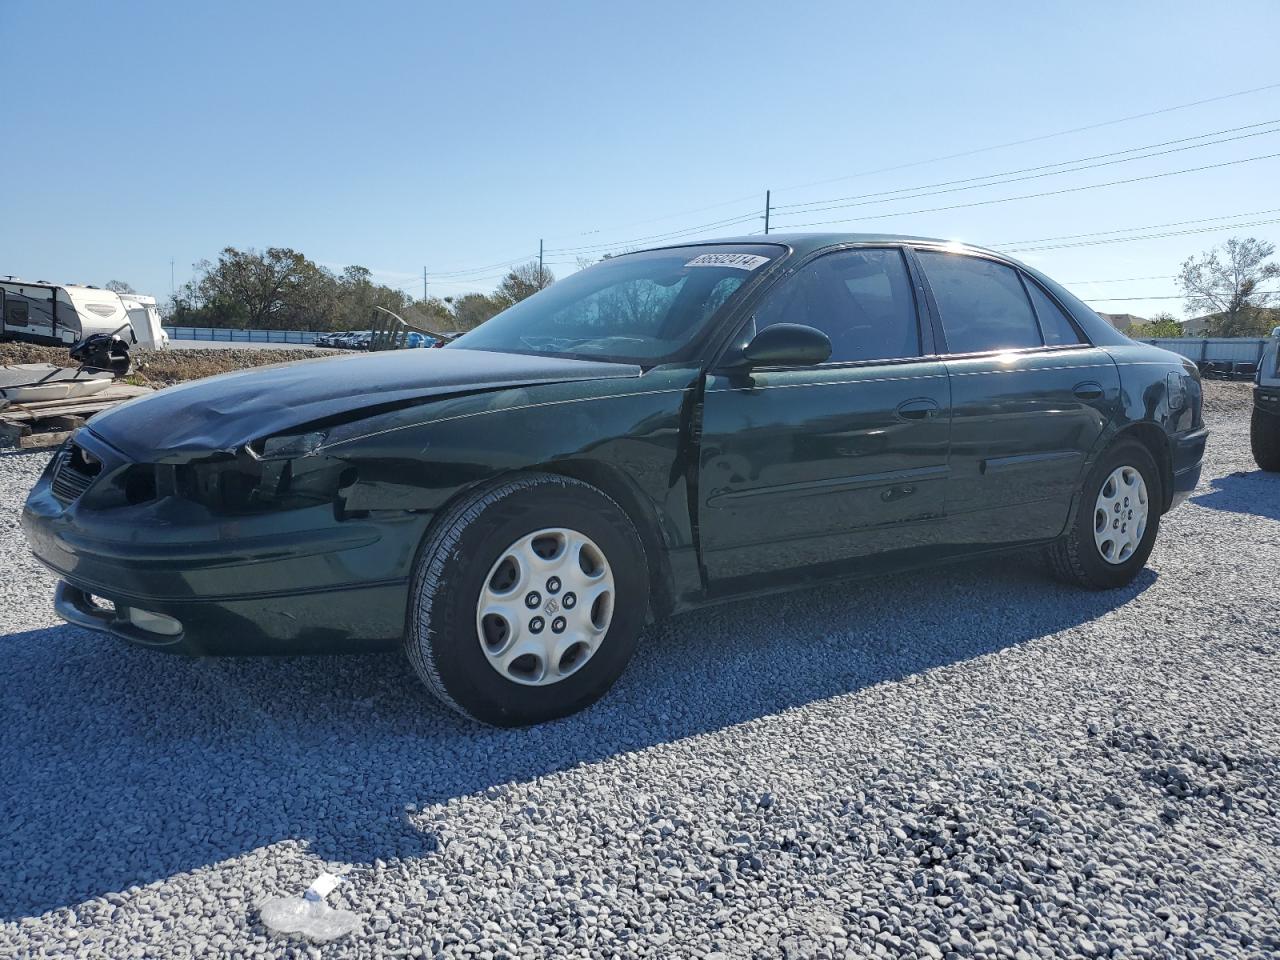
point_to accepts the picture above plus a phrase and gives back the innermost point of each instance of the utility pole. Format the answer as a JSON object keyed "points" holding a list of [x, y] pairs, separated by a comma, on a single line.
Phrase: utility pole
{"points": [[424, 283], [172, 289], [539, 263], [766, 212]]}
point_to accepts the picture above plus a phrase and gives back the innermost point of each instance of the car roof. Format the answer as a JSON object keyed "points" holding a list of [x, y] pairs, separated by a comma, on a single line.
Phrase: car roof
{"points": [[806, 243]]}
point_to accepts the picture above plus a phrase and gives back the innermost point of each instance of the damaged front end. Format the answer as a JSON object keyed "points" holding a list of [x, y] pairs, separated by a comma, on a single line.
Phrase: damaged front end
{"points": [[254, 550], [240, 484], [278, 509], [268, 475]]}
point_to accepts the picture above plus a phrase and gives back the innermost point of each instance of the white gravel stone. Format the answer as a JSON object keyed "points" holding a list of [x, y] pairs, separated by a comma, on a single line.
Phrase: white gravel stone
{"points": [[970, 762]]}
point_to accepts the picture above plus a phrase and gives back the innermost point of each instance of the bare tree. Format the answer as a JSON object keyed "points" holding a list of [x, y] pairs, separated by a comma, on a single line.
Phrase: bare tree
{"points": [[1226, 281], [119, 286], [524, 281]]}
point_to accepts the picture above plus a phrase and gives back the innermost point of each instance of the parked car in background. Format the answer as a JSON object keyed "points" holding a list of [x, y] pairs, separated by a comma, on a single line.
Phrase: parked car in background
{"points": [[350, 339], [1264, 424], [664, 430], [414, 340]]}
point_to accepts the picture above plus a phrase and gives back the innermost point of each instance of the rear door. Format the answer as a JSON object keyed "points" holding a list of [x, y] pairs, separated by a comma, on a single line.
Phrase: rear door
{"points": [[801, 467], [1030, 398]]}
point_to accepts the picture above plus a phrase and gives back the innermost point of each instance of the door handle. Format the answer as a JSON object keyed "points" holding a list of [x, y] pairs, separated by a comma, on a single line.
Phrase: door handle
{"points": [[918, 409], [1088, 390]]}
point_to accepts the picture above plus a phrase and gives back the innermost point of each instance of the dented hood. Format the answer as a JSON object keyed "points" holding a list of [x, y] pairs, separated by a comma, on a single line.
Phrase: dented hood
{"points": [[224, 412]]}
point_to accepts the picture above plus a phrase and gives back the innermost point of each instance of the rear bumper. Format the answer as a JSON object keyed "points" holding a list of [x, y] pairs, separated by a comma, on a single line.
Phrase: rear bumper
{"points": [[1187, 455]]}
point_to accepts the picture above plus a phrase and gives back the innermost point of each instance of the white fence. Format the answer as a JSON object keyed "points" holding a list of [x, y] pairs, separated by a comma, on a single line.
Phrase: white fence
{"points": [[1210, 349], [227, 335]]}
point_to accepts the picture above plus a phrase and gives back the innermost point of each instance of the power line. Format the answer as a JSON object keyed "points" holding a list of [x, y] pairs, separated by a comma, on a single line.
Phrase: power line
{"points": [[1038, 139], [1147, 236], [1015, 246], [1120, 280], [953, 186], [1127, 299], [971, 183], [669, 216], [1149, 226], [901, 166], [511, 262], [1045, 193], [951, 156], [661, 236], [1175, 296]]}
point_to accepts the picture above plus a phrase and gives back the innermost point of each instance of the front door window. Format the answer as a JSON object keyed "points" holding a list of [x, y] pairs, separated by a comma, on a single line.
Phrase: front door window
{"points": [[862, 299]]}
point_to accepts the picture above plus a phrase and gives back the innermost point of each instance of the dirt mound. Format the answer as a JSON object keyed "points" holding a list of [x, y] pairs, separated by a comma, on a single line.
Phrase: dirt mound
{"points": [[1228, 396], [161, 368]]}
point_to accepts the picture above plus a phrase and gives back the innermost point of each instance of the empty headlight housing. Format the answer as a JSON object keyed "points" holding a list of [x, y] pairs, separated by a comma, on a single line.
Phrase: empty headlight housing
{"points": [[288, 447]]}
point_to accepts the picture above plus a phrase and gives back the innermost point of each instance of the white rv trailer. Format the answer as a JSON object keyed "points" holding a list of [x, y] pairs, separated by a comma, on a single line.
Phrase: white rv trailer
{"points": [[61, 314]]}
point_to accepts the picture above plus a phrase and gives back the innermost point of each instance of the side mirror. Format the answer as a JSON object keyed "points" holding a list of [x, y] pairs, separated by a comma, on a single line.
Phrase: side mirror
{"points": [[787, 345], [1275, 332]]}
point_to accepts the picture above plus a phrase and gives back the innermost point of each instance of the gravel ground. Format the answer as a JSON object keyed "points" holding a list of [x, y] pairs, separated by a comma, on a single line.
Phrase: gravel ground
{"points": [[982, 764]]}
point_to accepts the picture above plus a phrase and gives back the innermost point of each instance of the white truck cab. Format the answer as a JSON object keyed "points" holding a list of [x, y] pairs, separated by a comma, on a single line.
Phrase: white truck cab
{"points": [[61, 314]]}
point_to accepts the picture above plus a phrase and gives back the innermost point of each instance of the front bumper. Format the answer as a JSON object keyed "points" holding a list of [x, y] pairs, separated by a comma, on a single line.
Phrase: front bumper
{"points": [[1267, 400], [1187, 455], [297, 581]]}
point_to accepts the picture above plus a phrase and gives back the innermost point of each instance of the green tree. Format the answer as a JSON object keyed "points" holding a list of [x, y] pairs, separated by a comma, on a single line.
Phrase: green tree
{"points": [[1226, 283], [475, 308], [251, 289], [1161, 325], [279, 289], [431, 314]]}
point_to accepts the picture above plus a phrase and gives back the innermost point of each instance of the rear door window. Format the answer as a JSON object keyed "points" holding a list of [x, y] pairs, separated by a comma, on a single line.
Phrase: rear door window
{"points": [[982, 303]]}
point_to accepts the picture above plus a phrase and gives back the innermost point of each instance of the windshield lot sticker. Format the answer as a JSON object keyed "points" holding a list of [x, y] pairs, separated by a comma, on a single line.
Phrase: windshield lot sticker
{"points": [[743, 261]]}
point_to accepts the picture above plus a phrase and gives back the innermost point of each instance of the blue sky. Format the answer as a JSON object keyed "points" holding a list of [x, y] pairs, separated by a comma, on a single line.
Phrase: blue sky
{"points": [[454, 136]]}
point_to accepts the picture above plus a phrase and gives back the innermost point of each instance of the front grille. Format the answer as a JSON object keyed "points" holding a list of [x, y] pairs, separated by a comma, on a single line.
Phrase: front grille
{"points": [[73, 472]]}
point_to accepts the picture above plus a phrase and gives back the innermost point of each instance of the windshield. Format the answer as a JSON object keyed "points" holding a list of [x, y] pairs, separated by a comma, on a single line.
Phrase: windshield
{"points": [[644, 308]]}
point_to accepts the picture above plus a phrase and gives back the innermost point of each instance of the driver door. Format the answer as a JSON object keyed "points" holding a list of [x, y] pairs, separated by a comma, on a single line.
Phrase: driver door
{"points": [[838, 462]]}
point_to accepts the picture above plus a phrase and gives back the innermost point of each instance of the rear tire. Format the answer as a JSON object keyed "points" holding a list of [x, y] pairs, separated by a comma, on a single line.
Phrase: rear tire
{"points": [[1095, 554], [1264, 437], [501, 572]]}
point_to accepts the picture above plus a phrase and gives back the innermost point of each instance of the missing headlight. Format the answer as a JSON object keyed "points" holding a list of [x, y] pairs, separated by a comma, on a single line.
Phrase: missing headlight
{"points": [[244, 485], [288, 447]]}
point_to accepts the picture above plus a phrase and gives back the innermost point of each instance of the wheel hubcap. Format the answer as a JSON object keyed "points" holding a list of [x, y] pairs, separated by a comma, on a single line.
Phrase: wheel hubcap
{"points": [[1120, 515], [545, 606]]}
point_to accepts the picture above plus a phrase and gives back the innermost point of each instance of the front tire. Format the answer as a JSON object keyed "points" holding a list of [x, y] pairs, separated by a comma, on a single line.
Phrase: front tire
{"points": [[1117, 517], [527, 600], [1264, 438]]}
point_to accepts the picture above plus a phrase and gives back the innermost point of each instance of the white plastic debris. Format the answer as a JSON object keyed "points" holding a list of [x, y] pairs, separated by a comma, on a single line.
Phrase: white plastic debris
{"points": [[309, 915]]}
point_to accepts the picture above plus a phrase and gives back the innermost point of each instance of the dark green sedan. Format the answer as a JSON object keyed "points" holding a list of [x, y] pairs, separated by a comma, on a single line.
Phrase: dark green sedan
{"points": [[661, 431]]}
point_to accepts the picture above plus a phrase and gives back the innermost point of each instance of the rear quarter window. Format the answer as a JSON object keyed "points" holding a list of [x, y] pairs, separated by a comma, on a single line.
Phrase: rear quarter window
{"points": [[1054, 324]]}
